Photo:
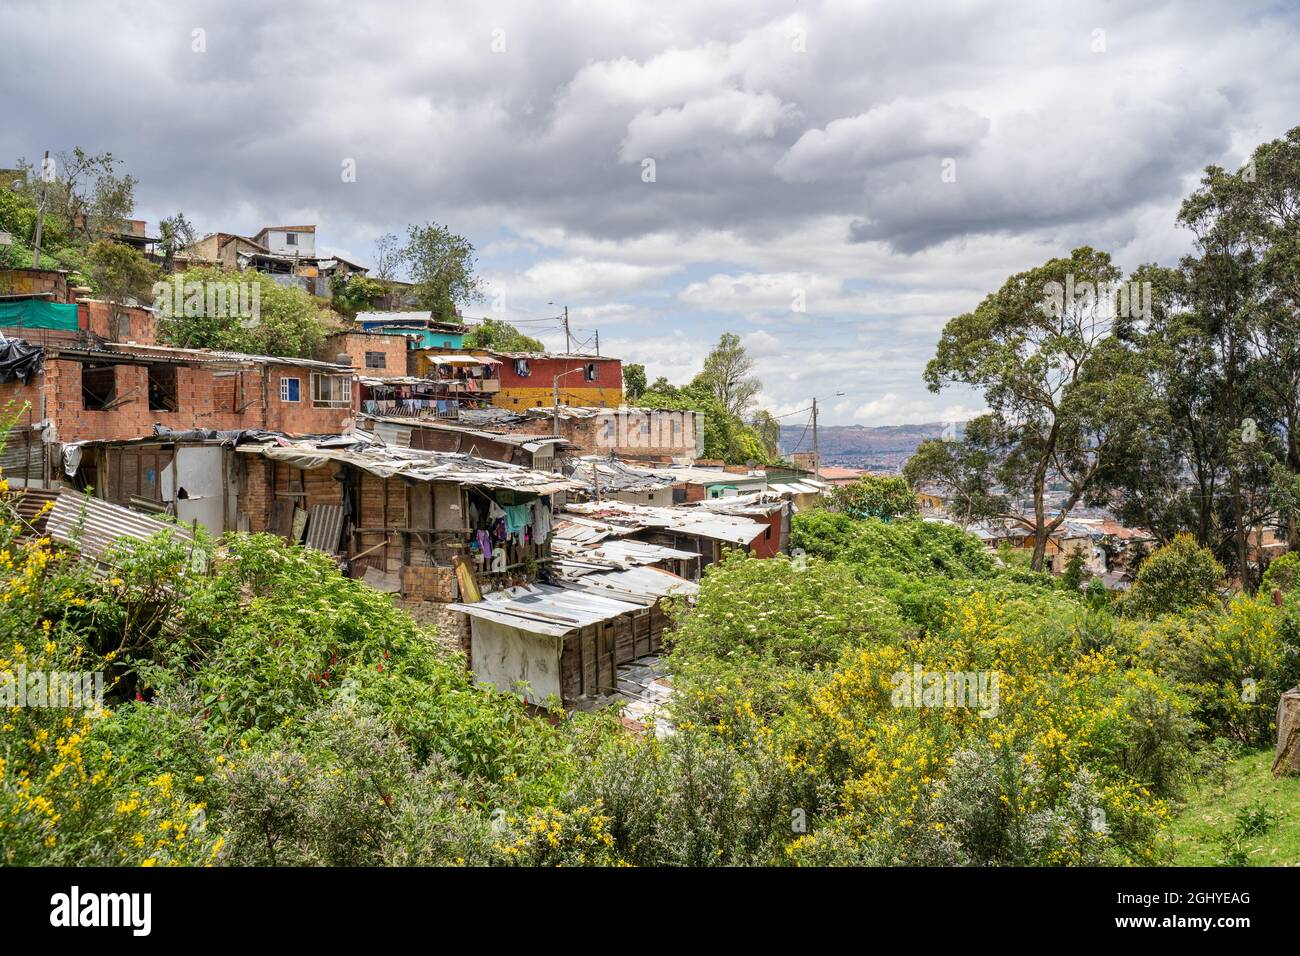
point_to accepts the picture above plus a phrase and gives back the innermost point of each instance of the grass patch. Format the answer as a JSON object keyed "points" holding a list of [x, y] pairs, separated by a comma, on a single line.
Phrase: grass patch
{"points": [[1222, 822]]}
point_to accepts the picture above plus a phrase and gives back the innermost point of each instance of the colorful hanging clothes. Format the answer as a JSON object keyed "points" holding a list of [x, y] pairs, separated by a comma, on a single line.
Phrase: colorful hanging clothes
{"points": [[516, 519]]}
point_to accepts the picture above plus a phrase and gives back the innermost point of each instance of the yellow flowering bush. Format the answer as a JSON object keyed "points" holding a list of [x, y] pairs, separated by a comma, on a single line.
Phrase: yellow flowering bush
{"points": [[550, 836]]}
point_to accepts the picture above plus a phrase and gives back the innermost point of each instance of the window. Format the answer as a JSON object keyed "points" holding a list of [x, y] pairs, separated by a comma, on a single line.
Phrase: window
{"points": [[98, 386], [122, 321], [331, 391], [590, 372], [376, 360], [290, 238], [290, 390], [162, 389]]}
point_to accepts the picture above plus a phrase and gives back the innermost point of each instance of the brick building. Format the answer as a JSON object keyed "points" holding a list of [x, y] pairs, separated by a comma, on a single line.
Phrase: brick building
{"points": [[371, 353], [528, 380], [102, 377]]}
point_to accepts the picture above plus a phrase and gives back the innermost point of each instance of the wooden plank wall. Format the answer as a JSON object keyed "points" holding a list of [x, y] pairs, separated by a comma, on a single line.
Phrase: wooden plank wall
{"points": [[590, 658]]}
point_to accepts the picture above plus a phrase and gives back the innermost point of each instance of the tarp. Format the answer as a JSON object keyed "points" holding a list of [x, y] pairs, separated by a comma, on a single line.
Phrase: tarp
{"points": [[19, 360], [39, 314]]}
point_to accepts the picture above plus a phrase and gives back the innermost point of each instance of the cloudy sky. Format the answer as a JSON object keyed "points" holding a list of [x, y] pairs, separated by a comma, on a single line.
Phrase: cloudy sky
{"points": [[832, 181]]}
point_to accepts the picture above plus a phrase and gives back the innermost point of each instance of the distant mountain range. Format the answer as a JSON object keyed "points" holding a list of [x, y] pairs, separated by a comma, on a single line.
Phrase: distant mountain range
{"points": [[878, 448]]}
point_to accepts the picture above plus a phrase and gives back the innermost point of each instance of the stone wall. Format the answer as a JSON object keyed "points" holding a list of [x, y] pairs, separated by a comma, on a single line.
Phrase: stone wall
{"points": [[452, 626]]}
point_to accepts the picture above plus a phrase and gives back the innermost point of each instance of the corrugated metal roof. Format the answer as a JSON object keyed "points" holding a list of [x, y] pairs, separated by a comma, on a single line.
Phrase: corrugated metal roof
{"points": [[529, 442], [721, 527], [618, 476], [30, 502], [388, 461], [547, 609], [126, 350], [93, 525], [641, 584], [325, 528]]}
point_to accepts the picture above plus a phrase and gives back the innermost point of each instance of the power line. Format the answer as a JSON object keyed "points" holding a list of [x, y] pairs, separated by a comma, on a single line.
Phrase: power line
{"points": [[755, 421], [799, 443]]}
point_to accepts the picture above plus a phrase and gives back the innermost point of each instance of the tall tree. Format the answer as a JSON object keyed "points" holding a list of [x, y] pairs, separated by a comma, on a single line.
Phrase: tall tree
{"points": [[85, 193], [441, 264], [388, 257], [634, 381], [768, 428], [174, 234], [1066, 396], [502, 336], [728, 374], [120, 273]]}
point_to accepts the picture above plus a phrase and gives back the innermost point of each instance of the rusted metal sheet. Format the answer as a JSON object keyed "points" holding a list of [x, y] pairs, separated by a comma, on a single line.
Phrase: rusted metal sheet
{"points": [[23, 456], [93, 526], [30, 503]]}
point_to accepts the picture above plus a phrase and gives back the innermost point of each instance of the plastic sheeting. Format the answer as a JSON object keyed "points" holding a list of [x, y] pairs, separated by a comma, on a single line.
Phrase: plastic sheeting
{"points": [[19, 360], [39, 314]]}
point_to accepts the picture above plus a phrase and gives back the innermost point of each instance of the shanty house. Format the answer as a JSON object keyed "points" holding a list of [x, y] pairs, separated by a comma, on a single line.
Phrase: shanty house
{"points": [[568, 642], [686, 529]]}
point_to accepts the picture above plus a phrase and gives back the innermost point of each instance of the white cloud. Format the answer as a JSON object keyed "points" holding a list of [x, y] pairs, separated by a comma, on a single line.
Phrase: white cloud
{"points": [[898, 131]]}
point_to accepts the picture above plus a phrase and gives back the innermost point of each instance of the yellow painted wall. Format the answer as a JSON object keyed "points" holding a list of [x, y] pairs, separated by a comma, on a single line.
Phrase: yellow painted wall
{"points": [[518, 399]]}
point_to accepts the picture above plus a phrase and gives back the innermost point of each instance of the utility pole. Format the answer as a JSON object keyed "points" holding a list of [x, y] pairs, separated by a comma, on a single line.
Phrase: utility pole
{"points": [[40, 211], [817, 456], [566, 330], [598, 341], [555, 414]]}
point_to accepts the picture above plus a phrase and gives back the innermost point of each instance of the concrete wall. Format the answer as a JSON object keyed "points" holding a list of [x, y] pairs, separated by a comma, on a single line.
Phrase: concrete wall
{"points": [[503, 656], [277, 241]]}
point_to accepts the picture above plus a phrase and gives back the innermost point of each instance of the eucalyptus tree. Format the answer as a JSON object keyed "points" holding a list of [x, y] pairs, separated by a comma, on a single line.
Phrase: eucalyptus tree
{"points": [[1068, 399]]}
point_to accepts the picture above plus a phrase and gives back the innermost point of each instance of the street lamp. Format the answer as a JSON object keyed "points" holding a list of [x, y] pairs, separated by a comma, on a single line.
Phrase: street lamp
{"points": [[555, 396]]}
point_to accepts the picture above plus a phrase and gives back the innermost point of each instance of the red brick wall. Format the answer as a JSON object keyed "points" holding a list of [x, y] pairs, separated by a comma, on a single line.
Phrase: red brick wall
{"points": [[357, 344], [97, 317], [206, 399], [255, 491], [694, 491], [261, 478], [770, 546], [609, 373], [17, 393], [33, 282], [301, 417]]}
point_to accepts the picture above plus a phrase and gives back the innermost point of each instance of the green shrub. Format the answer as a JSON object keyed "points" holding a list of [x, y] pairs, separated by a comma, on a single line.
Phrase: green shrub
{"points": [[1178, 576]]}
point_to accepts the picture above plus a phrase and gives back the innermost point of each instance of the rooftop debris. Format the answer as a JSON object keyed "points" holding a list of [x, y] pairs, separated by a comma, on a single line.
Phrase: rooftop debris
{"points": [[527, 442], [733, 529], [644, 689], [614, 475], [165, 353], [574, 558], [387, 461]]}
